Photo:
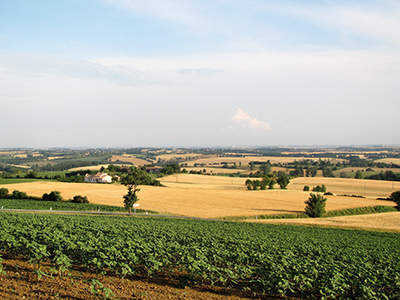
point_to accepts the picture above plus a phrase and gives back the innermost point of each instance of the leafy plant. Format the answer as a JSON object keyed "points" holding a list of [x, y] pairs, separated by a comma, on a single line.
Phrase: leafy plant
{"points": [[395, 196], [315, 206]]}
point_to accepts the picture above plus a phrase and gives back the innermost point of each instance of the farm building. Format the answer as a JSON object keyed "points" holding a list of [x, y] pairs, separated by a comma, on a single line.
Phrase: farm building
{"points": [[99, 178], [153, 170]]}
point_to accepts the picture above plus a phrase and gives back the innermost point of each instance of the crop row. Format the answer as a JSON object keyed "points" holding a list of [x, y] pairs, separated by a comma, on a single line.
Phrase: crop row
{"points": [[56, 205], [266, 259]]}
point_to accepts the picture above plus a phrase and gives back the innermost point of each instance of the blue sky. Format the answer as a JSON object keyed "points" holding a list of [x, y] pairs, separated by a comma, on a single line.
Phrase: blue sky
{"points": [[123, 73]]}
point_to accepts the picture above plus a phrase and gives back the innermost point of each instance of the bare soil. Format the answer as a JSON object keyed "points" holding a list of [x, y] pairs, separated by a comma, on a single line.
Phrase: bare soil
{"points": [[20, 282]]}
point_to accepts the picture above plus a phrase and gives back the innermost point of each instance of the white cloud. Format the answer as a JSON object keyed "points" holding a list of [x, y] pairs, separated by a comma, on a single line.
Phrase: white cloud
{"points": [[249, 122]]}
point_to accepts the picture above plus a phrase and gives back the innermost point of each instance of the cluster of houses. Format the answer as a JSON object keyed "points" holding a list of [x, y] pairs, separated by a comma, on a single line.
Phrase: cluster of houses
{"points": [[105, 178]]}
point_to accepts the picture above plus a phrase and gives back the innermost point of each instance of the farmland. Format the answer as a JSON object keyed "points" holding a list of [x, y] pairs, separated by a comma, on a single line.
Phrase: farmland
{"points": [[241, 257], [215, 196], [264, 259]]}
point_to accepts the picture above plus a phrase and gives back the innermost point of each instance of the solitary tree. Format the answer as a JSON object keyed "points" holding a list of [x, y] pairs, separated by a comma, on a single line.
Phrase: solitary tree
{"points": [[358, 175], [3, 193], [132, 180], [283, 181], [395, 196], [315, 206]]}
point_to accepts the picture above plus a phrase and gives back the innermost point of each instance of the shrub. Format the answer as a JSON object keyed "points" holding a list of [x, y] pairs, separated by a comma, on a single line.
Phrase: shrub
{"points": [[318, 188], [18, 195], [306, 188], [395, 196], [53, 196], [315, 206], [80, 199], [3, 193]]}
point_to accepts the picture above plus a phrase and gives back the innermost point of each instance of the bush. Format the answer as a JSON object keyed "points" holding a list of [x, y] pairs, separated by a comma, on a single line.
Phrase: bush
{"points": [[18, 195], [3, 193], [315, 206], [321, 189], [53, 196], [80, 199], [395, 196], [306, 188]]}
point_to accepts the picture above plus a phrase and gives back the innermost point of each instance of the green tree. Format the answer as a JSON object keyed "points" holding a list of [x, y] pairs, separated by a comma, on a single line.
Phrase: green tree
{"points": [[132, 180], [53, 196], [80, 199], [252, 165], [249, 184], [395, 196], [306, 188], [283, 181], [31, 174], [265, 169], [315, 206], [3, 193], [358, 175]]}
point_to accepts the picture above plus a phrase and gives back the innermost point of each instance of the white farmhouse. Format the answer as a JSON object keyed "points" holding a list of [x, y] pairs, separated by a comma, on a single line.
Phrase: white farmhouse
{"points": [[99, 178]]}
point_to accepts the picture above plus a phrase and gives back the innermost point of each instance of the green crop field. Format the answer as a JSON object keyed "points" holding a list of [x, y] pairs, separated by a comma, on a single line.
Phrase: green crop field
{"points": [[18, 180], [274, 260], [57, 205]]}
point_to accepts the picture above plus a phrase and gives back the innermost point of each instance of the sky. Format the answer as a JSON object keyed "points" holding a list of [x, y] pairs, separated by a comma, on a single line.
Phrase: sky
{"points": [[199, 73]]}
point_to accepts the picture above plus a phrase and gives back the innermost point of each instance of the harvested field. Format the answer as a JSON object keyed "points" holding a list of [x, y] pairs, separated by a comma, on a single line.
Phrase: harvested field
{"points": [[389, 161], [216, 170], [90, 167], [385, 221], [355, 169], [215, 196], [168, 157], [245, 160], [368, 188], [129, 159]]}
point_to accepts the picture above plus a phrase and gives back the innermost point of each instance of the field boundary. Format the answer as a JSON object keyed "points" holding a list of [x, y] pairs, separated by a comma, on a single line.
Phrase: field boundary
{"points": [[69, 212]]}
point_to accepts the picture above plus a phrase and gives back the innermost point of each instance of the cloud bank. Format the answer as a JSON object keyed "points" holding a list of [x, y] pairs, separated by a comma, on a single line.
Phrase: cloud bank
{"points": [[249, 122]]}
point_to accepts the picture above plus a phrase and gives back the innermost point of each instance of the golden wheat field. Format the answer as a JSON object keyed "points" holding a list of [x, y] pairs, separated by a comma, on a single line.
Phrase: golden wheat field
{"points": [[245, 160], [389, 161], [215, 196], [128, 158], [385, 221]]}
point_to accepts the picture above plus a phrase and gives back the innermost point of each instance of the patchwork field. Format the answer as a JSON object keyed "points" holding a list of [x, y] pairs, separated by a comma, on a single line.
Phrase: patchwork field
{"points": [[214, 196], [389, 161], [128, 158], [245, 160]]}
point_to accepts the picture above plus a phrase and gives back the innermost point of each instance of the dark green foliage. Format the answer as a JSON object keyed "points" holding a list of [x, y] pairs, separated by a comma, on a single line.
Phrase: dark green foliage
{"points": [[358, 175], [306, 188], [132, 180], [327, 172], [315, 206], [53, 196], [283, 181], [3, 193], [169, 169], [388, 175], [321, 189], [18, 195], [265, 169], [31, 174], [395, 196], [274, 261], [80, 199]]}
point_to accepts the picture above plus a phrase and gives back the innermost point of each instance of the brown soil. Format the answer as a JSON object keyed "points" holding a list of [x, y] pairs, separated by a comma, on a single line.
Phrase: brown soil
{"points": [[20, 282]]}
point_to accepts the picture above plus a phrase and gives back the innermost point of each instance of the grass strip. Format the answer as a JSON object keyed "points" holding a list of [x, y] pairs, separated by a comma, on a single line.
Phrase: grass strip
{"points": [[60, 205], [366, 210]]}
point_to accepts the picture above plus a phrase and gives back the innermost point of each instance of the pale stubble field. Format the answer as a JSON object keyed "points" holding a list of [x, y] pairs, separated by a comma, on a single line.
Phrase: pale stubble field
{"points": [[215, 196]]}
